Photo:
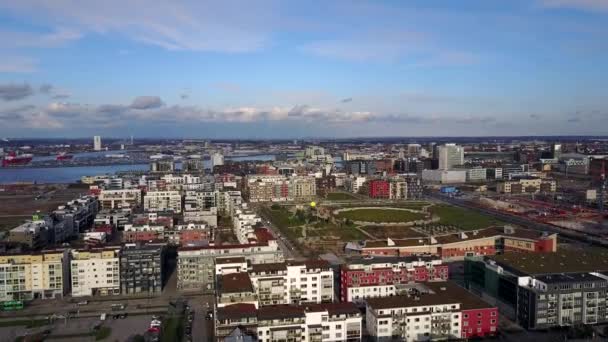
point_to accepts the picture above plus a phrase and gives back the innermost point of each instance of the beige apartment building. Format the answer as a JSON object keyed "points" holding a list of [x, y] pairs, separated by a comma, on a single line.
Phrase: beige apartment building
{"points": [[121, 198], [527, 185], [95, 272], [38, 275], [163, 201]]}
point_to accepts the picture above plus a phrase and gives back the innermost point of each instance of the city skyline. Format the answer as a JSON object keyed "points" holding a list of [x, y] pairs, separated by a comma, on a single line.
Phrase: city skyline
{"points": [[289, 70]]}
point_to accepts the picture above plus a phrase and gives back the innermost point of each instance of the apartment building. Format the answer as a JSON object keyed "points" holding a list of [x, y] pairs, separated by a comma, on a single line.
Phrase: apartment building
{"points": [[142, 268], [189, 233], [382, 276], [354, 183], [313, 322], [379, 188], [33, 234], [196, 264], [267, 188], [40, 275], [527, 185], [114, 218], [430, 311], [120, 198], [95, 272], [143, 232], [292, 282], [163, 201], [551, 290], [311, 281], [235, 288], [77, 215], [243, 222]]}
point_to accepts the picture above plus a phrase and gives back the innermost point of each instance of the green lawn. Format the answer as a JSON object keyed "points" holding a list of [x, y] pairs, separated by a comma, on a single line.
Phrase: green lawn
{"points": [[28, 323], [340, 196], [463, 218], [103, 333], [282, 218], [380, 215], [172, 329], [343, 232]]}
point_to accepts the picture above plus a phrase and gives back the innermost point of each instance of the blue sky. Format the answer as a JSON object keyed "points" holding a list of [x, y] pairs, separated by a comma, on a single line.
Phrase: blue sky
{"points": [[288, 69]]}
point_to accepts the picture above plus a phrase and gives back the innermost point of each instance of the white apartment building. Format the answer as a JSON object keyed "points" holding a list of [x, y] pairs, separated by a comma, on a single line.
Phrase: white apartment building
{"points": [[243, 222], [353, 184], [120, 198], [413, 318], [311, 281], [95, 272], [163, 201], [310, 323], [291, 282]]}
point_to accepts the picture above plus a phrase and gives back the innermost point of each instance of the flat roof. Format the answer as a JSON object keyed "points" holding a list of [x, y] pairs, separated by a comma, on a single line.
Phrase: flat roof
{"points": [[434, 293], [565, 260], [270, 267], [235, 283], [229, 260], [569, 278]]}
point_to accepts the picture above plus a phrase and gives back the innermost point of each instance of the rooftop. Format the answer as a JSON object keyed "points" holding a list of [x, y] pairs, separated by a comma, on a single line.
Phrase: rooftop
{"points": [[434, 293], [280, 312], [270, 267], [233, 260], [565, 260], [569, 278], [236, 311], [235, 283], [393, 260], [456, 237]]}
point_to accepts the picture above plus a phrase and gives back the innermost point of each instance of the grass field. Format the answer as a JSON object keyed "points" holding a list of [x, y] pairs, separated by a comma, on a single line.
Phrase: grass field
{"points": [[380, 215], [340, 196], [463, 218], [414, 205]]}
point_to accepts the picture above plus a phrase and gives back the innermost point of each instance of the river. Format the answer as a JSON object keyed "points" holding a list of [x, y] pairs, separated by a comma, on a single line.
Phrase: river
{"points": [[73, 174]]}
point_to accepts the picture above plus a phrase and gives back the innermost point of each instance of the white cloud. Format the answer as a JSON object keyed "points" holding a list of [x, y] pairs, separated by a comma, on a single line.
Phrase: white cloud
{"points": [[222, 26], [58, 37]]}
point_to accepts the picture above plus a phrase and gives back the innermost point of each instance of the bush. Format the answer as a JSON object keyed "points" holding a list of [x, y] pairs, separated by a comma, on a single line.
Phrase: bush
{"points": [[103, 333]]}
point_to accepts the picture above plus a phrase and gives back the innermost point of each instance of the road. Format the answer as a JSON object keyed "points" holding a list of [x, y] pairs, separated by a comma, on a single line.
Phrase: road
{"points": [[522, 221], [289, 250]]}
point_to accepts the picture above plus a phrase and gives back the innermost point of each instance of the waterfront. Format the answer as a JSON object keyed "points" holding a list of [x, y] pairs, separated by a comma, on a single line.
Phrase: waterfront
{"points": [[74, 173]]}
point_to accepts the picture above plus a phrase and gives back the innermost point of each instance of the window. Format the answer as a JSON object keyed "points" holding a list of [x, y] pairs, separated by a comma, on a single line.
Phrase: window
{"points": [[466, 315], [493, 313]]}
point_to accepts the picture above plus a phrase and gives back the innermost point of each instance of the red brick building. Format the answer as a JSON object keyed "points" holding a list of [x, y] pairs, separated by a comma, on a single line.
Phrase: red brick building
{"points": [[474, 243], [379, 188], [376, 277]]}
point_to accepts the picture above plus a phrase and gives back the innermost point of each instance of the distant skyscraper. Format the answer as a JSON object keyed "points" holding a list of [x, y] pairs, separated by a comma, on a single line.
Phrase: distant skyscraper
{"points": [[97, 143], [556, 151], [217, 159], [450, 155]]}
